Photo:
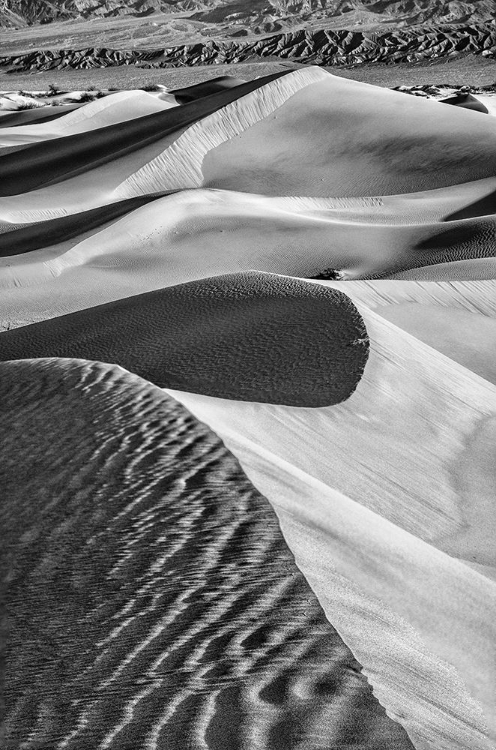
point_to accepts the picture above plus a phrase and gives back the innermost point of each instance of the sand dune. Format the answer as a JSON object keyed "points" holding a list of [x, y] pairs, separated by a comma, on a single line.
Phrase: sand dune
{"points": [[112, 109], [57, 160], [466, 101], [440, 153], [395, 510], [198, 247], [475, 268], [151, 606], [456, 318], [31, 116], [232, 322], [58, 264]]}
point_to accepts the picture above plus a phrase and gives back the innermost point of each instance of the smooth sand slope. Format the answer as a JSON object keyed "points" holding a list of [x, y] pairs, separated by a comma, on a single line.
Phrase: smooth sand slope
{"points": [[109, 252], [150, 607], [179, 244]]}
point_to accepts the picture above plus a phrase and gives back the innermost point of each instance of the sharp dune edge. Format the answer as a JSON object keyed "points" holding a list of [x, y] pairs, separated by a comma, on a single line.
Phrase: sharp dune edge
{"points": [[185, 279]]}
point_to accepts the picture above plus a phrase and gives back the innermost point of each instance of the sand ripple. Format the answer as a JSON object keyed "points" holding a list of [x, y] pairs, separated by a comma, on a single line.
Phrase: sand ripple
{"points": [[150, 607]]}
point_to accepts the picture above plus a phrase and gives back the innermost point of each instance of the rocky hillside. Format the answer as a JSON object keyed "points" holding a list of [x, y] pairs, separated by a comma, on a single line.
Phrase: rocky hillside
{"points": [[257, 16], [326, 48]]}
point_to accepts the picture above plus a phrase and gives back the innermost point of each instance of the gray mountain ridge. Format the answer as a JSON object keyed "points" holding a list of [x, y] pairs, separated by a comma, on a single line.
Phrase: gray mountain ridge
{"points": [[254, 14]]}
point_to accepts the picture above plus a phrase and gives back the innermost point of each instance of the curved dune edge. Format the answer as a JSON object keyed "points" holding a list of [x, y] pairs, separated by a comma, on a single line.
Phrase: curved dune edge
{"points": [[466, 101], [342, 137], [271, 154], [37, 235], [255, 336], [457, 319], [382, 532], [179, 166], [161, 595], [22, 118]]}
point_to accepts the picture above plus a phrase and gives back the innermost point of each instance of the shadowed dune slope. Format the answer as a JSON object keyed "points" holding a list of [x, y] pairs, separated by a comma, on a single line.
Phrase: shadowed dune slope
{"points": [[149, 607], [110, 110], [255, 336], [466, 101], [32, 116], [197, 91]]}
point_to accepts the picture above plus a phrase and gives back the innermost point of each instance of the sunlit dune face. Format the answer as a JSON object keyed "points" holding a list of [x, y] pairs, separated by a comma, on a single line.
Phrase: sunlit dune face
{"points": [[343, 138]]}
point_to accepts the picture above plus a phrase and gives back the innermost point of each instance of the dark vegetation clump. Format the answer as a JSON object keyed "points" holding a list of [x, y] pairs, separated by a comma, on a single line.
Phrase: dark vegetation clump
{"points": [[89, 96], [328, 274]]}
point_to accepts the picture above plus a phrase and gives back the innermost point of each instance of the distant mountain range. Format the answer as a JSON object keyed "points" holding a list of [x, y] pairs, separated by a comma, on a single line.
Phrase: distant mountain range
{"points": [[243, 17]]}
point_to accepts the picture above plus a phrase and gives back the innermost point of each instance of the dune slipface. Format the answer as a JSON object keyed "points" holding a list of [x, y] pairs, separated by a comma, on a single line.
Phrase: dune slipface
{"points": [[466, 101], [255, 336], [149, 607]]}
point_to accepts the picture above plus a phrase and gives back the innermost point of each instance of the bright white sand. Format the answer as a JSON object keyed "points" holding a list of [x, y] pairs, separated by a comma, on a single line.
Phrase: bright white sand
{"points": [[194, 234]]}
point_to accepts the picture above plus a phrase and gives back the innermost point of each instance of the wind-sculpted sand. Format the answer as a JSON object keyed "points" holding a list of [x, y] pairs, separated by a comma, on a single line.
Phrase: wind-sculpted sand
{"points": [[151, 607], [395, 551], [307, 264]]}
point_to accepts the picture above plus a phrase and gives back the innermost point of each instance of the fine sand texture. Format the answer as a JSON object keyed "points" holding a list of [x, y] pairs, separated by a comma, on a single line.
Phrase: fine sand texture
{"points": [[248, 404]]}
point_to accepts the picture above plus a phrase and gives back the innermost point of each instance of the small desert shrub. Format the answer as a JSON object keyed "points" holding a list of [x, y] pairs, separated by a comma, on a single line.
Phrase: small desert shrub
{"points": [[328, 274], [21, 106], [87, 96]]}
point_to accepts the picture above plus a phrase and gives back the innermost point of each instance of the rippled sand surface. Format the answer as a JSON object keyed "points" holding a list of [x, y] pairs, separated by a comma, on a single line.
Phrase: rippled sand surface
{"points": [[152, 599]]}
